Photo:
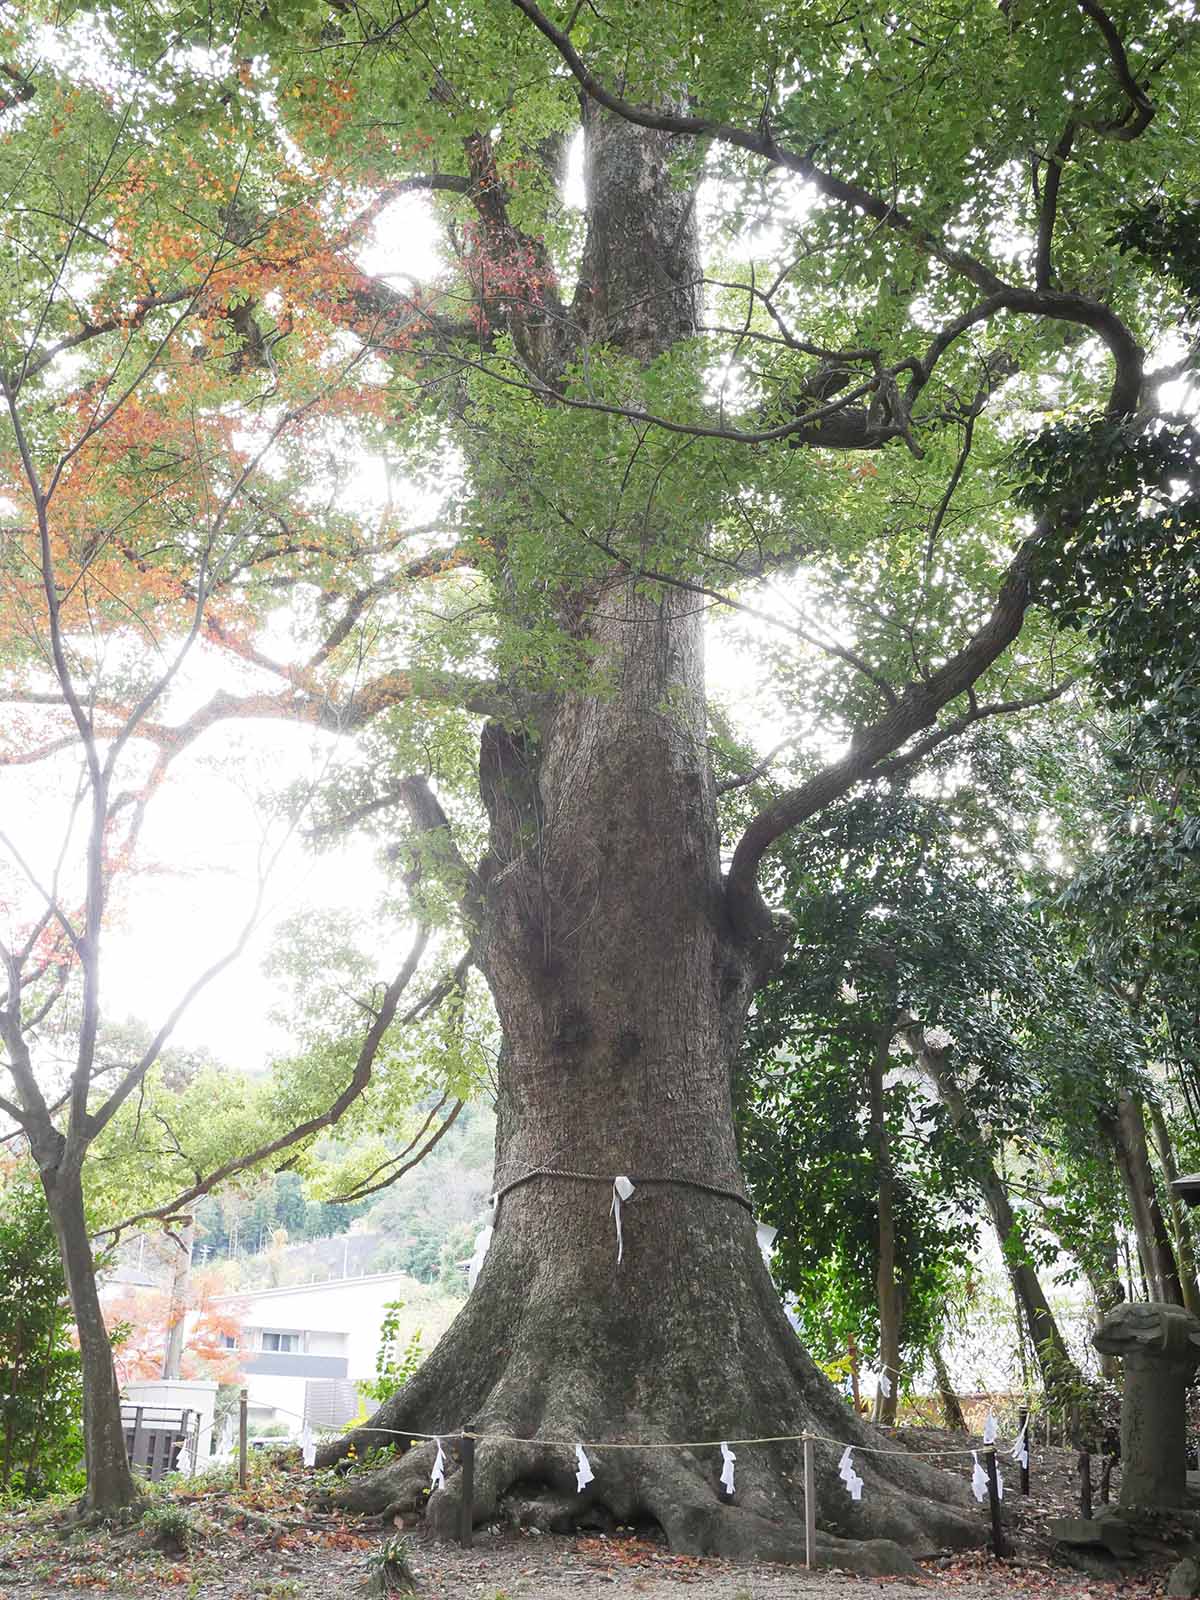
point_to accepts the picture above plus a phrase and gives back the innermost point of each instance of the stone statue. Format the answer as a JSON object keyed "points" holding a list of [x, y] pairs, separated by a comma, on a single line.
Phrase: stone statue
{"points": [[1160, 1348]]}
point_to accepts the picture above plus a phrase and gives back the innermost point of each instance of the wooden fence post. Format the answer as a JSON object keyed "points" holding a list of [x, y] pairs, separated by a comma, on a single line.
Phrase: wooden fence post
{"points": [[999, 1548], [1024, 1429], [1085, 1485], [810, 1505], [243, 1436], [466, 1511]]}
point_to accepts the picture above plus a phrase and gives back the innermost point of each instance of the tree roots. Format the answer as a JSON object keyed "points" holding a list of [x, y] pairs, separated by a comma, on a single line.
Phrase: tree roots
{"points": [[533, 1485]]}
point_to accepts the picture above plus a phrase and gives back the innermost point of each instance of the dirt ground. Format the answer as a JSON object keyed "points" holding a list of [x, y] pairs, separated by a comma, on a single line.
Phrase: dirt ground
{"points": [[265, 1544]]}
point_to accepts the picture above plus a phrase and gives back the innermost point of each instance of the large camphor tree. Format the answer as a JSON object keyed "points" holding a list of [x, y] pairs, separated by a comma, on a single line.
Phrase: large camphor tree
{"points": [[817, 268]]}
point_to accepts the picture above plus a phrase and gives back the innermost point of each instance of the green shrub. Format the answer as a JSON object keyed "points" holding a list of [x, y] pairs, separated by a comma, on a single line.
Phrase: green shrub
{"points": [[41, 1393]]}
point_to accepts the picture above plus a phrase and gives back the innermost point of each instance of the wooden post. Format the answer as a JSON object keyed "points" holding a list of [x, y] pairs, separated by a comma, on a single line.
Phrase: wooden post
{"points": [[1024, 1429], [466, 1510], [243, 1433], [999, 1548], [810, 1505], [1085, 1485], [1106, 1467]]}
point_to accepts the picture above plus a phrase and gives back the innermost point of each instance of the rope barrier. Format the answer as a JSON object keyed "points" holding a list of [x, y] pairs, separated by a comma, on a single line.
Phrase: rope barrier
{"points": [[647, 1444], [607, 1178]]}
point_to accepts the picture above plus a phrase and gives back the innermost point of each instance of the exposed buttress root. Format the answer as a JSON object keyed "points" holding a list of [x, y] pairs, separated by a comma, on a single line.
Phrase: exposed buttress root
{"points": [[570, 1370], [530, 1484]]}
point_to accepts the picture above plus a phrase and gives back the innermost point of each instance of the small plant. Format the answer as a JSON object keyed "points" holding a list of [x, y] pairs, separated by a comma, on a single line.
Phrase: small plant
{"points": [[170, 1527], [389, 1568], [393, 1366]]}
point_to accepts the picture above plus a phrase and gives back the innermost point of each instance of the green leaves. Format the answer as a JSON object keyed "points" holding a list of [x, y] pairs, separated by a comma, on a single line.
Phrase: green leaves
{"points": [[41, 1442]]}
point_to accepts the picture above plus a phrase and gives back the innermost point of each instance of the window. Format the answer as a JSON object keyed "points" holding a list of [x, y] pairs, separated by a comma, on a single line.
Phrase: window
{"points": [[272, 1339], [228, 1342]]}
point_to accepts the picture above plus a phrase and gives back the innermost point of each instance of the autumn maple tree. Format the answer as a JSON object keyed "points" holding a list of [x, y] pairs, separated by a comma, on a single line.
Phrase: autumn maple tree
{"points": [[740, 308], [156, 469]]}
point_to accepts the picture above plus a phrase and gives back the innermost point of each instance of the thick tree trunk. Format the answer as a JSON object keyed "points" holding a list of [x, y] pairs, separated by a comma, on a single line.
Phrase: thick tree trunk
{"points": [[110, 1482], [1054, 1360], [607, 952], [1127, 1132], [887, 1286], [622, 992]]}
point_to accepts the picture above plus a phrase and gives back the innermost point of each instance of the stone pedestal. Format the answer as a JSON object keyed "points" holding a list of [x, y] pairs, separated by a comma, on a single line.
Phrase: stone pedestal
{"points": [[1159, 1346]]}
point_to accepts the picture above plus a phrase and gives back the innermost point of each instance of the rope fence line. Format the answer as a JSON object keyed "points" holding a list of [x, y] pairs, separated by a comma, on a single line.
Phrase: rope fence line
{"points": [[986, 1481], [638, 1444]]}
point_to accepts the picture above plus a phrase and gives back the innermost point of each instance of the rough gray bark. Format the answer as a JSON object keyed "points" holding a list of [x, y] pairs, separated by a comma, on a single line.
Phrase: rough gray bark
{"points": [[622, 988]]}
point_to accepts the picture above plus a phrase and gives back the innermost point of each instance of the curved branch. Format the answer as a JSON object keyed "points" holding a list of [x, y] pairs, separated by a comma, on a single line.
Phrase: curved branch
{"points": [[358, 1083], [1141, 108], [759, 141], [916, 709], [398, 1164]]}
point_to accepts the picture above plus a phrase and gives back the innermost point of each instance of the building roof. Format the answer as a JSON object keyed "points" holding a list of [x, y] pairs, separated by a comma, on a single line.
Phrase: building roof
{"points": [[326, 1284]]}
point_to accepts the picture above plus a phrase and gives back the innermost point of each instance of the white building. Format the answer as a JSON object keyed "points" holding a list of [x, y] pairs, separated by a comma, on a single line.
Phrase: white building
{"points": [[305, 1348]]}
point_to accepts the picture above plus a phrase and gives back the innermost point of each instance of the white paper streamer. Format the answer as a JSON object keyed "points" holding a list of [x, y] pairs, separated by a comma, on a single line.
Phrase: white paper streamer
{"points": [[622, 1189], [885, 1384], [308, 1446], [727, 1460], [437, 1478], [978, 1478], [1020, 1450], [766, 1241], [989, 1429], [483, 1241], [583, 1468], [849, 1477]]}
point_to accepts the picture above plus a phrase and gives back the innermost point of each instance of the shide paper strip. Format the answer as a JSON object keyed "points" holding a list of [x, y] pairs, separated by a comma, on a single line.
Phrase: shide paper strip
{"points": [[622, 1189], [727, 1460], [854, 1484]]}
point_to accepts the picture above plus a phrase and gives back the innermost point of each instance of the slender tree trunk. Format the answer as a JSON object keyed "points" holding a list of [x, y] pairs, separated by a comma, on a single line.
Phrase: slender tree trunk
{"points": [[888, 1291], [1180, 1219], [1126, 1131], [952, 1411], [622, 992], [1104, 1280], [1050, 1348], [110, 1481], [177, 1308]]}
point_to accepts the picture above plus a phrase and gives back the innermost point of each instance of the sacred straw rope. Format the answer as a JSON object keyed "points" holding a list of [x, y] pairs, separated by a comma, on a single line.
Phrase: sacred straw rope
{"points": [[607, 1178], [655, 1444]]}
